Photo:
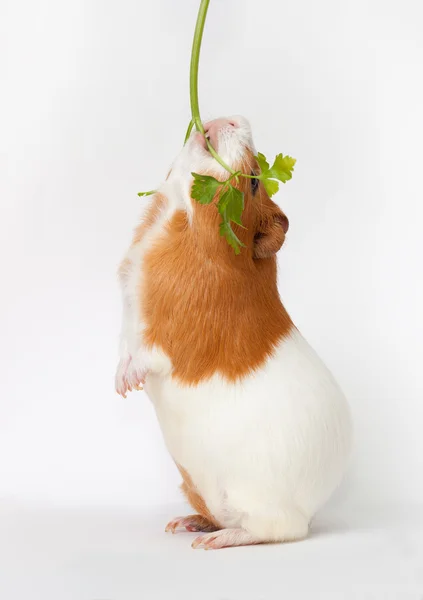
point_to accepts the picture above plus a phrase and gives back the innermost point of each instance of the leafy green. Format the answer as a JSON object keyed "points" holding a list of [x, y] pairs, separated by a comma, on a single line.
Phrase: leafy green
{"points": [[271, 186], [230, 207], [204, 188], [231, 204], [281, 170], [227, 232], [263, 164]]}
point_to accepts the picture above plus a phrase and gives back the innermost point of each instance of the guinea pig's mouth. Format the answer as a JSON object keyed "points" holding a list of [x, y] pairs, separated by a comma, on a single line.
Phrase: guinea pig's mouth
{"points": [[229, 137], [219, 132]]}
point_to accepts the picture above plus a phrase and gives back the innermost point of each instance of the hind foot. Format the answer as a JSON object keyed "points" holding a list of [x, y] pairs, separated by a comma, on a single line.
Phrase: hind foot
{"points": [[225, 538], [192, 523], [288, 526]]}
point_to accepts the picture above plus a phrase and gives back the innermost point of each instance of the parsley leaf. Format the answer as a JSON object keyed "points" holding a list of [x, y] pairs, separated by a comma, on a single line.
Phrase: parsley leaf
{"points": [[263, 164], [231, 204], [227, 232], [204, 188], [230, 207], [271, 186], [282, 168]]}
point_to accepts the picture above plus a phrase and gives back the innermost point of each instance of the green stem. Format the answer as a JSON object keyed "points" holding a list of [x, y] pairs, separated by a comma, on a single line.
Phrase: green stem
{"points": [[193, 80], [234, 175], [195, 59], [217, 157], [188, 133]]}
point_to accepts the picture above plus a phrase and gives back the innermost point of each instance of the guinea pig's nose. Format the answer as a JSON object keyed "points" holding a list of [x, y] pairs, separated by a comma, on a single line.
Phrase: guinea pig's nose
{"points": [[212, 129]]}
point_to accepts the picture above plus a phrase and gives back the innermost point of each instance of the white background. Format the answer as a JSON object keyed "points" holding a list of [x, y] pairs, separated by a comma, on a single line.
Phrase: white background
{"points": [[94, 108]]}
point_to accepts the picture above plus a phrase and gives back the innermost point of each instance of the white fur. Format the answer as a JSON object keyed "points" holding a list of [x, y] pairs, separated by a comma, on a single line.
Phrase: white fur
{"points": [[267, 452], [135, 359]]}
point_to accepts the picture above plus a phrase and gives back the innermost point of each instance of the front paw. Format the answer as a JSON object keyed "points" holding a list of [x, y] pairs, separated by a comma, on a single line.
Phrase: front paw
{"points": [[121, 381], [130, 375]]}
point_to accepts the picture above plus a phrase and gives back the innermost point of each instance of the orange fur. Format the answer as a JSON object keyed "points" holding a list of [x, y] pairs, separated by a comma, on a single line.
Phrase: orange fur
{"points": [[197, 502], [208, 309]]}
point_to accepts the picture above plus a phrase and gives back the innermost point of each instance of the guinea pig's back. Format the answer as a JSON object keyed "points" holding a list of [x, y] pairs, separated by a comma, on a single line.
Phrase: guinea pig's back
{"points": [[284, 429]]}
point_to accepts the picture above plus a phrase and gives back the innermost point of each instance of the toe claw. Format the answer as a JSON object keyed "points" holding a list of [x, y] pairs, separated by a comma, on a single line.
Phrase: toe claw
{"points": [[197, 543], [172, 527]]}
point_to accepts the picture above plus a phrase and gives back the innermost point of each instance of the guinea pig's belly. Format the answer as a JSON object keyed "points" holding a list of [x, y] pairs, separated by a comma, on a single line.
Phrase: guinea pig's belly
{"points": [[281, 435]]}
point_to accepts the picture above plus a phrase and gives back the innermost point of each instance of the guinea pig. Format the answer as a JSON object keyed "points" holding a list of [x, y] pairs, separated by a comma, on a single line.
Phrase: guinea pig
{"points": [[256, 424]]}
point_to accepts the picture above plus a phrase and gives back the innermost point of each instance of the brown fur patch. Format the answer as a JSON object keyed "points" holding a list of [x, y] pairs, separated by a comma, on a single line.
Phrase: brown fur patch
{"points": [[208, 309], [197, 502]]}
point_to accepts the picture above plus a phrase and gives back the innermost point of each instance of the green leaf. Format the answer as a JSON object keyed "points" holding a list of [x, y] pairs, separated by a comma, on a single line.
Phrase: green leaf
{"points": [[204, 188], [262, 161], [226, 231], [150, 193], [231, 204], [282, 168], [271, 186]]}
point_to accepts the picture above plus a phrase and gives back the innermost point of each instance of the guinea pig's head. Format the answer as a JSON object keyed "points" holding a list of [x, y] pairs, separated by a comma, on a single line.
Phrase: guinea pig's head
{"points": [[264, 224]]}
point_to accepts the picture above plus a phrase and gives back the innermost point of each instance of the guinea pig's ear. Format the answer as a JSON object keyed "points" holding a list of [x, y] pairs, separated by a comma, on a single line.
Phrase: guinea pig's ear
{"points": [[270, 234]]}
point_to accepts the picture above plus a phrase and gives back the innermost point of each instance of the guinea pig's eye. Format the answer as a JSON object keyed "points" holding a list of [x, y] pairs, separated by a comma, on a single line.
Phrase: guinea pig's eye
{"points": [[254, 184]]}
